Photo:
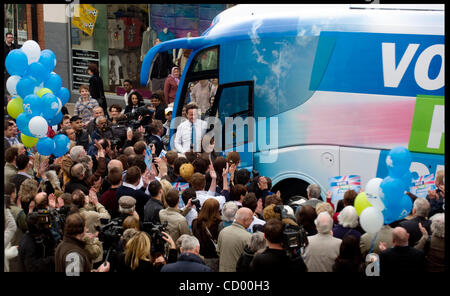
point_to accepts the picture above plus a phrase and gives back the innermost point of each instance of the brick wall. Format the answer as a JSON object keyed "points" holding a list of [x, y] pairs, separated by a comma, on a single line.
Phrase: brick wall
{"points": [[40, 24]]}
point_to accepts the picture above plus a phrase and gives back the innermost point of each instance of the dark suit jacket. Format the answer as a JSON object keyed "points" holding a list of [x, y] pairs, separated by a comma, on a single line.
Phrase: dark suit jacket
{"points": [[74, 184], [96, 90], [139, 195], [82, 138], [412, 226], [401, 260], [157, 142]]}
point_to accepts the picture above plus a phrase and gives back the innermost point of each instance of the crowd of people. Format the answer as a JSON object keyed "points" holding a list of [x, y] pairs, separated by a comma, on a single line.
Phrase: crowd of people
{"points": [[104, 205], [108, 206]]}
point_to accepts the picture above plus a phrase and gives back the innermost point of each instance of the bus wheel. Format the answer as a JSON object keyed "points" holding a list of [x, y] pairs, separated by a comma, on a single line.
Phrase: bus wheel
{"points": [[291, 189]]}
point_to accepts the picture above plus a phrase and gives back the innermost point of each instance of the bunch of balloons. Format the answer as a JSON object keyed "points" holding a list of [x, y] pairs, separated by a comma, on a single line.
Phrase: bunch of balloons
{"points": [[384, 200], [37, 97]]}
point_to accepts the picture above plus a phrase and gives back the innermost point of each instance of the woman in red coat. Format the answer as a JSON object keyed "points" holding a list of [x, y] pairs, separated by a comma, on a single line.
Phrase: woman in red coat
{"points": [[171, 85]]}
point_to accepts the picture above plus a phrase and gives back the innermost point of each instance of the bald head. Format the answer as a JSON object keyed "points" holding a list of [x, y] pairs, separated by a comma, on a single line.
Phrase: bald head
{"points": [[244, 216], [41, 199], [400, 237], [115, 163]]}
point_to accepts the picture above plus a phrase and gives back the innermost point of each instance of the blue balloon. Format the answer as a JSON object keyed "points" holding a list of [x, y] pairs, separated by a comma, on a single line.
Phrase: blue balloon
{"points": [[407, 179], [38, 72], [393, 189], [26, 86], [54, 82], [389, 216], [45, 146], [51, 105], [398, 161], [33, 105], [64, 95], [62, 145], [22, 123], [55, 120], [16, 63], [48, 59], [406, 207]]}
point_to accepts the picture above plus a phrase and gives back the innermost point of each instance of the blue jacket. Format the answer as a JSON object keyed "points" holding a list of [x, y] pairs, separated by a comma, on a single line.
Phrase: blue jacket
{"points": [[187, 262]]}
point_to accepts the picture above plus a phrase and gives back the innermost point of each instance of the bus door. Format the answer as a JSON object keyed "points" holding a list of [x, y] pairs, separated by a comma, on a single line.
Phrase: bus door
{"points": [[233, 107]]}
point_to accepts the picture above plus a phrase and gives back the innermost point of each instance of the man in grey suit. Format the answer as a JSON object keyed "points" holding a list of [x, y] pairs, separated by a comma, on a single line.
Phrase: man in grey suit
{"points": [[323, 248], [232, 240]]}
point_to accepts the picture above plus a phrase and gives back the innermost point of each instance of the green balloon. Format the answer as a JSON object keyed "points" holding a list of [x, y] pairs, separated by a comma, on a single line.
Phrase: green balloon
{"points": [[15, 107], [28, 141], [43, 91], [361, 202]]}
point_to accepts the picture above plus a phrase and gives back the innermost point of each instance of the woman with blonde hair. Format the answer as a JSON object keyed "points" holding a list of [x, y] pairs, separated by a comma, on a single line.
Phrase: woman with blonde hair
{"points": [[27, 192], [137, 256], [206, 229]]}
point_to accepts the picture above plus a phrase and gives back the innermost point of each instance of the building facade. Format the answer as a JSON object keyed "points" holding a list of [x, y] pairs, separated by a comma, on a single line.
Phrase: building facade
{"points": [[116, 37]]}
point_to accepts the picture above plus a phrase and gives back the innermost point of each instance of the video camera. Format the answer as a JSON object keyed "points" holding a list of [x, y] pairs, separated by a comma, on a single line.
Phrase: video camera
{"points": [[295, 238], [110, 233], [196, 203], [133, 117], [156, 236]]}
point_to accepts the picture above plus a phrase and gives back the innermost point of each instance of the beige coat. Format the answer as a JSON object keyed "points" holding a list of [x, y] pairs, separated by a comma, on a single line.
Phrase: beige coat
{"points": [[321, 252], [384, 235], [92, 217], [177, 223], [230, 246], [9, 171]]}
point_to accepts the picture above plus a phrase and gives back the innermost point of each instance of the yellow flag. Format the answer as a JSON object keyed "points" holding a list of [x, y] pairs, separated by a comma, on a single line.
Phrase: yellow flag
{"points": [[85, 17]]}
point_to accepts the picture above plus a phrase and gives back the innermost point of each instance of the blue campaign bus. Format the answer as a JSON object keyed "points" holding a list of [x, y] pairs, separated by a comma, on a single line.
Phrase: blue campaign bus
{"points": [[331, 88]]}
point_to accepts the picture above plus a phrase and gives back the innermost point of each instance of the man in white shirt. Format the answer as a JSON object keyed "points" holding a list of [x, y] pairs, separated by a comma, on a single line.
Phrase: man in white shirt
{"points": [[190, 132]]}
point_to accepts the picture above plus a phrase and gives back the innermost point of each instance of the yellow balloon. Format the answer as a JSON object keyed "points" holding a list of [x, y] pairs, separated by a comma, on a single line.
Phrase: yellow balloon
{"points": [[28, 141], [361, 202], [15, 107], [43, 91]]}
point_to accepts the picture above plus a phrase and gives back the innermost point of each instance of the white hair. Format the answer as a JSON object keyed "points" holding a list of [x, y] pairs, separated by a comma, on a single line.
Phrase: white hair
{"points": [[422, 207], [229, 210], [100, 117], [348, 217], [189, 243], [76, 152], [438, 225], [313, 191], [324, 223], [257, 241]]}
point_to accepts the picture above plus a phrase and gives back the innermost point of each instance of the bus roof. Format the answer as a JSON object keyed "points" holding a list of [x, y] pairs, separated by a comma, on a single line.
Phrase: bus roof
{"points": [[270, 18], [255, 21]]}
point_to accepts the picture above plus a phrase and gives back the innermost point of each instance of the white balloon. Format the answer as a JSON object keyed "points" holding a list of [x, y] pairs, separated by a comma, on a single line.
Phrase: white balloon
{"points": [[38, 126], [373, 193], [11, 84], [33, 51], [371, 220]]}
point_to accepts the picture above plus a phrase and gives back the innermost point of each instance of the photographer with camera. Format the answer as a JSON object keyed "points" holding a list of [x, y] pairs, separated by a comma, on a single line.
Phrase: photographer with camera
{"points": [[275, 258], [137, 256], [157, 131], [37, 246], [71, 256]]}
